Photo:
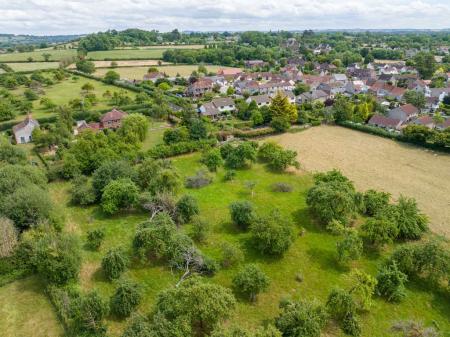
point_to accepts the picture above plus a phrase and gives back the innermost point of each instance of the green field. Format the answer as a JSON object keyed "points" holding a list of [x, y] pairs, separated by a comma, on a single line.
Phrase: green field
{"points": [[61, 93], [148, 52], [169, 70], [313, 255]]}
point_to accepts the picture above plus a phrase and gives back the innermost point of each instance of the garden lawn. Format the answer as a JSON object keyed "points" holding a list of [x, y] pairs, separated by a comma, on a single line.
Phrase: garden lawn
{"points": [[26, 312], [313, 255]]}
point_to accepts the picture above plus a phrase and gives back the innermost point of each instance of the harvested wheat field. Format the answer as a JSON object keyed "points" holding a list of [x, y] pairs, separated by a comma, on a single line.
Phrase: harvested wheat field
{"points": [[125, 63], [379, 163]]}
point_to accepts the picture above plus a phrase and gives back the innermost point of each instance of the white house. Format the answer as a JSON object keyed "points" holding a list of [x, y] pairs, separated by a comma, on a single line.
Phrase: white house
{"points": [[23, 130]]}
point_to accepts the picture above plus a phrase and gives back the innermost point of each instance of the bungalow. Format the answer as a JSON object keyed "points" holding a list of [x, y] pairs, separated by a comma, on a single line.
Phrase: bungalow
{"points": [[217, 106], [385, 122], [153, 76], [444, 125], [404, 113], [339, 78], [260, 100], [425, 121], [229, 71], [201, 86], [23, 131], [313, 96]]}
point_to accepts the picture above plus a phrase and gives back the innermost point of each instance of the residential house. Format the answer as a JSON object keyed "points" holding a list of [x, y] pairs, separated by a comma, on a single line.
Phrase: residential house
{"points": [[404, 113], [23, 131], [229, 71], [260, 100], [217, 106], [339, 78], [444, 125], [385, 122], [200, 87], [313, 96], [425, 121], [112, 119]]}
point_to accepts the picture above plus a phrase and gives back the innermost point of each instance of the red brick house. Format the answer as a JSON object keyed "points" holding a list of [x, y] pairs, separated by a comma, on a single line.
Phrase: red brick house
{"points": [[112, 119]]}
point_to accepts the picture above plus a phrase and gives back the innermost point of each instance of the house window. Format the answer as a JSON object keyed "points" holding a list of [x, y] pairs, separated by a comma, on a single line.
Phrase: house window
{"points": [[22, 139]]}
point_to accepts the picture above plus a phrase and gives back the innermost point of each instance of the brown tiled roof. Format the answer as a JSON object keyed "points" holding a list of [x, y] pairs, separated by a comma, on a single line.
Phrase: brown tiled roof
{"points": [[409, 109], [113, 115], [384, 121]]}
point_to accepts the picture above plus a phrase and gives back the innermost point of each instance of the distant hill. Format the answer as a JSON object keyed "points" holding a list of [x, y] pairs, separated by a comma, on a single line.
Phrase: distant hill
{"points": [[11, 40]]}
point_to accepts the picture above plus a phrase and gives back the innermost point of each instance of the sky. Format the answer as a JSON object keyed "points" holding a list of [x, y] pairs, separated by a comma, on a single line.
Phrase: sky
{"points": [[55, 17]]}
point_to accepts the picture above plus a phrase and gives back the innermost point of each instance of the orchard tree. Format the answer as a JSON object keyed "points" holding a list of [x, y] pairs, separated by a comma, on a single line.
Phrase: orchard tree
{"points": [[186, 208], [391, 283], [111, 76], [271, 234], [250, 281], [119, 194], [201, 304], [212, 159], [242, 213], [240, 156], [301, 319], [114, 263], [350, 247], [375, 201], [411, 222], [127, 297], [380, 231], [363, 288], [134, 127], [91, 313]]}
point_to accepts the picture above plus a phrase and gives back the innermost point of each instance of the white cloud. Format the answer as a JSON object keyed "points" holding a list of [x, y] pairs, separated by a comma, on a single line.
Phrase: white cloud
{"points": [[83, 16]]}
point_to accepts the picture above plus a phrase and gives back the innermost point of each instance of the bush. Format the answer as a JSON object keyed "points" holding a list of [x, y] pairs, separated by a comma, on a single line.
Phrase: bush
{"points": [[186, 208], [410, 222], [231, 254], [271, 234], [83, 193], [303, 318], [58, 258], [282, 187], [119, 194], [95, 238], [200, 179], [242, 213], [280, 124], [391, 283], [165, 151], [91, 313], [200, 230], [350, 248], [375, 201], [8, 237], [114, 263], [239, 156], [277, 158], [127, 297], [229, 175], [250, 281], [379, 231], [109, 171], [27, 206]]}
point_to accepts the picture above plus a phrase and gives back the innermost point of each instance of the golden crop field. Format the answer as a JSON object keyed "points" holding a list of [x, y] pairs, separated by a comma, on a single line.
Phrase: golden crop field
{"points": [[379, 163], [170, 70]]}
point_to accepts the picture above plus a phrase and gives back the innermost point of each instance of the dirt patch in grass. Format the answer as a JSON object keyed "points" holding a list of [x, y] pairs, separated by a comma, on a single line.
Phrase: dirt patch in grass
{"points": [[379, 163]]}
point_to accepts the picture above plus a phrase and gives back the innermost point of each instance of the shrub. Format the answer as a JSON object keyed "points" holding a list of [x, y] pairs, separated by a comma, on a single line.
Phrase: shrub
{"points": [[410, 222], [119, 194], [282, 187], [350, 248], [350, 325], [280, 124], [250, 281], [242, 213], [27, 206], [391, 283], [342, 308], [379, 231], [186, 208], [91, 313], [95, 238], [109, 171], [375, 201], [271, 234], [303, 318], [114, 263], [200, 230], [83, 193], [127, 297], [336, 227], [200, 179], [239, 156], [231, 254], [229, 175]]}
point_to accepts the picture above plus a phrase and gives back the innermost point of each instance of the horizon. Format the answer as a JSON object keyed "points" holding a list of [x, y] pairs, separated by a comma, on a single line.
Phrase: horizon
{"points": [[50, 17]]}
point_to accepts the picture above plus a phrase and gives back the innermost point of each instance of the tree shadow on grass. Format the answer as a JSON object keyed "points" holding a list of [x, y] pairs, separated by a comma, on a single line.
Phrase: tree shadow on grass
{"points": [[304, 218], [441, 296], [326, 259]]}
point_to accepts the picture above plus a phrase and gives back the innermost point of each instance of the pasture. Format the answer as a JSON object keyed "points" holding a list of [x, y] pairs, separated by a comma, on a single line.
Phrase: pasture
{"points": [[379, 163], [169, 70], [31, 66]]}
